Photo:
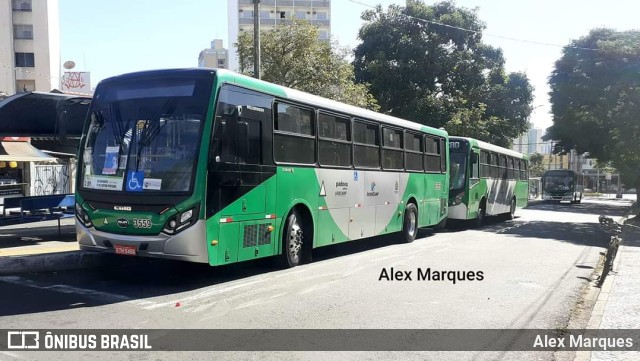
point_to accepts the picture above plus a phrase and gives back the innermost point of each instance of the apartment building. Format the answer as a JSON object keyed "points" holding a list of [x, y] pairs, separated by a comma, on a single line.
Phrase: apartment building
{"points": [[29, 45], [272, 13], [215, 57]]}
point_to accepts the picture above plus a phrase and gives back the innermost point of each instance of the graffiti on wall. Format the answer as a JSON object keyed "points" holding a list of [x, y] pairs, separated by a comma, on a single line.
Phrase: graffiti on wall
{"points": [[50, 179]]}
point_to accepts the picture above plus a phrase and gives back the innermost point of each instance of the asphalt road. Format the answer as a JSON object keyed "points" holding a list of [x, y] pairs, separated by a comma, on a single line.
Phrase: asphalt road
{"points": [[533, 271]]}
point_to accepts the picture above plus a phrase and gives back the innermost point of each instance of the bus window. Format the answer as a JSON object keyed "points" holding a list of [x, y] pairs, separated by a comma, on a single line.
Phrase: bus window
{"points": [[414, 148], [392, 155], [503, 167], [485, 164], [334, 140], [366, 147], [510, 168], [237, 134], [294, 138], [432, 155], [475, 165], [443, 156]]}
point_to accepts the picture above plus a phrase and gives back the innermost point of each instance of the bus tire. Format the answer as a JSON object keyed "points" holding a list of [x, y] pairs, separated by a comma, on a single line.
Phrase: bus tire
{"points": [[512, 210], [482, 212], [292, 241], [410, 224]]}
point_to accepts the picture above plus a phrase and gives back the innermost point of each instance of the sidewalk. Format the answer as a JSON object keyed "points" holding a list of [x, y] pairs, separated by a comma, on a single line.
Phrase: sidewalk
{"points": [[37, 247], [618, 304]]}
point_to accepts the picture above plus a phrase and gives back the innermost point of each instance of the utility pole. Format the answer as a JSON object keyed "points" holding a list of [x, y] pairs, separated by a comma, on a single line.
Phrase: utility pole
{"points": [[256, 39]]}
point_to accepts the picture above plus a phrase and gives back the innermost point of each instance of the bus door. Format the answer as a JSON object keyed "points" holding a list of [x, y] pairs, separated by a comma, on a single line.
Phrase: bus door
{"points": [[475, 186], [239, 184]]}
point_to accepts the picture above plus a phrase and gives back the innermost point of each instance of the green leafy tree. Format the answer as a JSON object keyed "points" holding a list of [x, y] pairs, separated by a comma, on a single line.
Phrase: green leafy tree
{"points": [[595, 98], [438, 74], [293, 56], [536, 165]]}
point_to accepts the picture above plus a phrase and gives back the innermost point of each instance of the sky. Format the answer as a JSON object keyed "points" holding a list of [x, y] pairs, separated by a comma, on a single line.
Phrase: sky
{"points": [[112, 37]]}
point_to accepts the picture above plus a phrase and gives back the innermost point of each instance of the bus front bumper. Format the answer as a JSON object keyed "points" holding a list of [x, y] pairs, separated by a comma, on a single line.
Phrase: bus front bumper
{"points": [[188, 245], [547, 197]]}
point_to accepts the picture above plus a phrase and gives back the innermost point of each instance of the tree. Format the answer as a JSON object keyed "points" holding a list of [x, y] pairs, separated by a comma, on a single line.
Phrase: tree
{"points": [[536, 165], [436, 73], [595, 100], [293, 56]]}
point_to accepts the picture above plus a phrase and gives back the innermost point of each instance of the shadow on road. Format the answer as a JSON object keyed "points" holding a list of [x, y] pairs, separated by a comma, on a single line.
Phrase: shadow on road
{"points": [[607, 209], [585, 234], [129, 278]]}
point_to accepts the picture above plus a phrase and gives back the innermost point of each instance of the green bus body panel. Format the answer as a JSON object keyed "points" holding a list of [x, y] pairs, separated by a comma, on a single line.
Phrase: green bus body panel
{"points": [[310, 188]]}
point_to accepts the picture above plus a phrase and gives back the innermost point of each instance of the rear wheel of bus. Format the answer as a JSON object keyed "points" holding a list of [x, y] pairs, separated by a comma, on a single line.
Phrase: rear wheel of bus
{"points": [[410, 226]]}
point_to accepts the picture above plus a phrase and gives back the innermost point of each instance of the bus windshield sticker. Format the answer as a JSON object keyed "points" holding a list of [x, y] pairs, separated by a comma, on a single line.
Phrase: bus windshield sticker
{"points": [[111, 160], [102, 182], [152, 183], [135, 181], [123, 162]]}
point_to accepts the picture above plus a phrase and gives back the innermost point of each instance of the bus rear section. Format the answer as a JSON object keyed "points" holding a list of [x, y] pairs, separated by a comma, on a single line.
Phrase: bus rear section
{"points": [[562, 186]]}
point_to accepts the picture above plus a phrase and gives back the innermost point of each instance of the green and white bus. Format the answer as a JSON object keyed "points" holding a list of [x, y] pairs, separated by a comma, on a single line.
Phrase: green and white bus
{"points": [[562, 185], [486, 180], [211, 166]]}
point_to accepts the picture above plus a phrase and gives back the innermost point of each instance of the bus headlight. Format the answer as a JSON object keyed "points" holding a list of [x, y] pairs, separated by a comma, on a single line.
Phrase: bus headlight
{"points": [[180, 221], [82, 216]]}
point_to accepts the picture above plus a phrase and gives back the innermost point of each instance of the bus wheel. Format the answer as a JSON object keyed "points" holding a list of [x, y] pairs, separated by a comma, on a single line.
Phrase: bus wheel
{"points": [[479, 222], [512, 210], [410, 227], [293, 238]]}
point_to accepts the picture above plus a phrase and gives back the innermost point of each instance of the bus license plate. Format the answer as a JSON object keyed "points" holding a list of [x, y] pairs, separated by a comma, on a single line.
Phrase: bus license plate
{"points": [[125, 250]]}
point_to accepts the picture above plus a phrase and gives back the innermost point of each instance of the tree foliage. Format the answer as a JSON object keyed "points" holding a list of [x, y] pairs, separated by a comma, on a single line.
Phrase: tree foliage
{"points": [[293, 56], [595, 99], [440, 75], [536, 165]]}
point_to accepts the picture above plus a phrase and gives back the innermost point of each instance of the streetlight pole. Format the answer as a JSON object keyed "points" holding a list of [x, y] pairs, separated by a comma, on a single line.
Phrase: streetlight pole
{"points": [[256, 39]]}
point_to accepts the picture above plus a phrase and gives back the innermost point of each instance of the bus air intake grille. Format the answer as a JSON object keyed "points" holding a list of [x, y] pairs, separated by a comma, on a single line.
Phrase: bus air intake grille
{"points": [[264, 235], [250, 236]]}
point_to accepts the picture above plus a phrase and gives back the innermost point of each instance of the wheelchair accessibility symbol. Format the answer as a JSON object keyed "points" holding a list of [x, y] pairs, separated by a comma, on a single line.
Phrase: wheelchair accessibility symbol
{"points": [[135, 181]]}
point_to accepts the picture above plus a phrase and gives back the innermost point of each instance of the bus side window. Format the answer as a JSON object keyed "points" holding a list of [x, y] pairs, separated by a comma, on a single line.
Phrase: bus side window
{"points": [[237, 131], [485, 164], [475, 165]]}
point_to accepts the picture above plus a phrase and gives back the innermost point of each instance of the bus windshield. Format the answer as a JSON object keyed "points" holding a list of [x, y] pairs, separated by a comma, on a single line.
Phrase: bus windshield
{"points": [[143, 134], [558, 182], [458, 167]]}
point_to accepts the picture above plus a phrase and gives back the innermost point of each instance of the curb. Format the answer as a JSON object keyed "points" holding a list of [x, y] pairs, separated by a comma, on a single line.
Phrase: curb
{"points": [[51, 262], [597, 312]]}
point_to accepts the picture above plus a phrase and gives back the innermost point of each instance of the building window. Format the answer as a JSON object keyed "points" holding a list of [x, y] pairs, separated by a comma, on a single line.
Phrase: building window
{"points": [[265, 15], [23, 31], [247, 13], [221, 63], [25, 60], [21, 5], [321, 16], [301, 15]]}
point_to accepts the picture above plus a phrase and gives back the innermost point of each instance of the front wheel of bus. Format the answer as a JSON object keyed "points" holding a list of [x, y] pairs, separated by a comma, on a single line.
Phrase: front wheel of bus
{"points": [[410, 227], [481, 213], [293, 238], [512, 210]]}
